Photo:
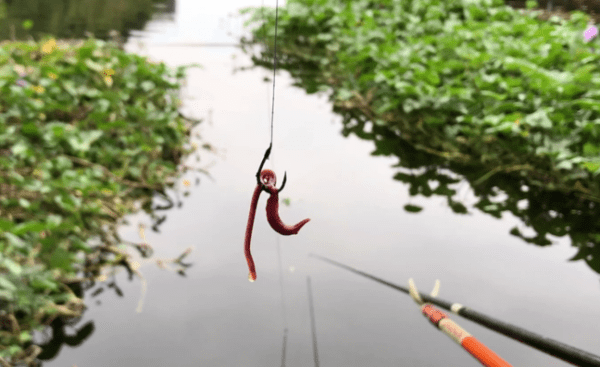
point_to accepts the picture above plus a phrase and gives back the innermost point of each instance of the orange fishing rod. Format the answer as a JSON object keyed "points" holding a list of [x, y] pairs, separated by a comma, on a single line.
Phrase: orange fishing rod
{"points": [[549, 346], [440, 320]]}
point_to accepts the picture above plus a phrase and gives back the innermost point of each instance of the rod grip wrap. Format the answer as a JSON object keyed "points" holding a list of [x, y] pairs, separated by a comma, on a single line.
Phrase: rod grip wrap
{"points": [[433, 314]]}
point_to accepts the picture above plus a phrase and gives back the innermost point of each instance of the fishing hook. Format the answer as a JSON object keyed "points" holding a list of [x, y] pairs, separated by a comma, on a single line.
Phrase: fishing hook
{"points": [[258, 173]]}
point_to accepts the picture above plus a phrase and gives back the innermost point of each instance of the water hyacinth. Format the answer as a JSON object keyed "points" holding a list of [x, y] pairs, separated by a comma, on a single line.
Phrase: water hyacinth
{"points": [[80, 67]]}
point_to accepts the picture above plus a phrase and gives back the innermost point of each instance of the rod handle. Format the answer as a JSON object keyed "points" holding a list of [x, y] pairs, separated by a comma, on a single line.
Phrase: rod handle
{"points": [[482, 353]]}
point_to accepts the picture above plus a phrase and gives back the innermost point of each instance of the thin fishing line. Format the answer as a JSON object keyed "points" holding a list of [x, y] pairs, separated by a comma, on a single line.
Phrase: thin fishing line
{"points": [[264, 37], [313, 328], [274, 67], [281, 285], [283, 310], [284, 348], [274, 56]]}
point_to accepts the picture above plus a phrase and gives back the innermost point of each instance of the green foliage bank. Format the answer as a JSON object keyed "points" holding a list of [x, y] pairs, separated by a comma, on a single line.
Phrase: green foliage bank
{"points": [[508, 100], [473, 81], [87, 133]]}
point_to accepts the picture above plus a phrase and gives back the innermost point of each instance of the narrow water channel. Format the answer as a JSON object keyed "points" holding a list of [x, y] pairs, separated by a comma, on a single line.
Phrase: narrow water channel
{"points": [[215, 317]]}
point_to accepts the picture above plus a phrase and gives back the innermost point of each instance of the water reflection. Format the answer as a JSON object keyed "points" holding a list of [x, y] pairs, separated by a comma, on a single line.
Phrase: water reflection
{"points": [[527, 196], [73, 18]]}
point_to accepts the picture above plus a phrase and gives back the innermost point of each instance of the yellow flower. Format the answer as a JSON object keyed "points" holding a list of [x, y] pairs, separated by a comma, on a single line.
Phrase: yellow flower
{"points": [[52, 76], [49, 46], [39, 89], [186, 183], [109, 72], [108, 80]]}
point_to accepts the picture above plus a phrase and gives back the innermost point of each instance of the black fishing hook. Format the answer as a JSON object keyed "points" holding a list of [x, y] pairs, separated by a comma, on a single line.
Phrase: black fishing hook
{"points": [[266, 156]]}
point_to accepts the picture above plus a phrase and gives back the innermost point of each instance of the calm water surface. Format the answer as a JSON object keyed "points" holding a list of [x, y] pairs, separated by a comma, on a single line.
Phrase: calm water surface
{"points": [[215, 317]]}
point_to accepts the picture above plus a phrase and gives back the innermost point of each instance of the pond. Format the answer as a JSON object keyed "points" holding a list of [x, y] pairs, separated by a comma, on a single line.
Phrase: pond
{"points": [[215, 317]]}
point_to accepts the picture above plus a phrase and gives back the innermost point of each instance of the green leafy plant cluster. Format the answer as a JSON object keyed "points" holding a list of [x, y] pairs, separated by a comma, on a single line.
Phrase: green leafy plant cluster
{"points": [[87, 131], [473, 81]]}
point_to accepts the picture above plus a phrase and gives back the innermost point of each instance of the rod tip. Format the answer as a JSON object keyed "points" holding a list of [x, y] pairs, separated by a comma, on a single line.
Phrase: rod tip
{"points": [[251, 277]]}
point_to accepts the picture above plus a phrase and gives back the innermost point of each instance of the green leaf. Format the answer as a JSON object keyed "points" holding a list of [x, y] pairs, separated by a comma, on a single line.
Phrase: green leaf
{"points": [[84, 139], [14, 240], [20, 149], [12, 266], [539, 119], [7, 295], [6, 284], [44, 284], [61, 259], [94, 65], [54, 221], [6, 225], [27, 24], [147, 86], [29, 227], [25, 336], [591, 149], [412, 208], [297, 10]]}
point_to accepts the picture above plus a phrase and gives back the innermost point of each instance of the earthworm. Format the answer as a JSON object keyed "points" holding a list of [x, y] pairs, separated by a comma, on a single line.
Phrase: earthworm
{"points": [[267, 183], [268, 178], [249, 226]]}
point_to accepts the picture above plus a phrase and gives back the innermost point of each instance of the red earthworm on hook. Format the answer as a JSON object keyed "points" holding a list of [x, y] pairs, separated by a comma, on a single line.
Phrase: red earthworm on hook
{"points": [[265, 181]]}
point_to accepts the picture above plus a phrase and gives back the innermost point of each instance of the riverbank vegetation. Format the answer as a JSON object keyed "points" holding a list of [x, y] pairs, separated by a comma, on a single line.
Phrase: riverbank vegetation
{"points": [[507, 99], [88, 134]]}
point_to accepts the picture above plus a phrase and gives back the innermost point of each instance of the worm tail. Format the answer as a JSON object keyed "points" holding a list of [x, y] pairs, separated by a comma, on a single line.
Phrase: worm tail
{"points": [[276, 222], [248, 237]]}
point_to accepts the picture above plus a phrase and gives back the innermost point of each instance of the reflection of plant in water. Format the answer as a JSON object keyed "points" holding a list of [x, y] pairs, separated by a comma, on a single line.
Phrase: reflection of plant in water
{"points": [[444, 92]]}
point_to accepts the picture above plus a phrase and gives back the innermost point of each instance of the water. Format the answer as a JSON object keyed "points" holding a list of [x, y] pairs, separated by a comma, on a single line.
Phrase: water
{"points": [[215, 317]]}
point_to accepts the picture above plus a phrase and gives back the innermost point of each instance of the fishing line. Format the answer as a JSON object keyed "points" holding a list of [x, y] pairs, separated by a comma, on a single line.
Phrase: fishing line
{"points": [[281, 285], [283, 311], [313, 328], [274, 57], [274, 66]]}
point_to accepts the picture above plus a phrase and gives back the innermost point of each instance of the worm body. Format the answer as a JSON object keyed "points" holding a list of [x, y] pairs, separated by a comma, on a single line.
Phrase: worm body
{"points": [[269, 179], [274, 219], [248, 237], [267, 182]]}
